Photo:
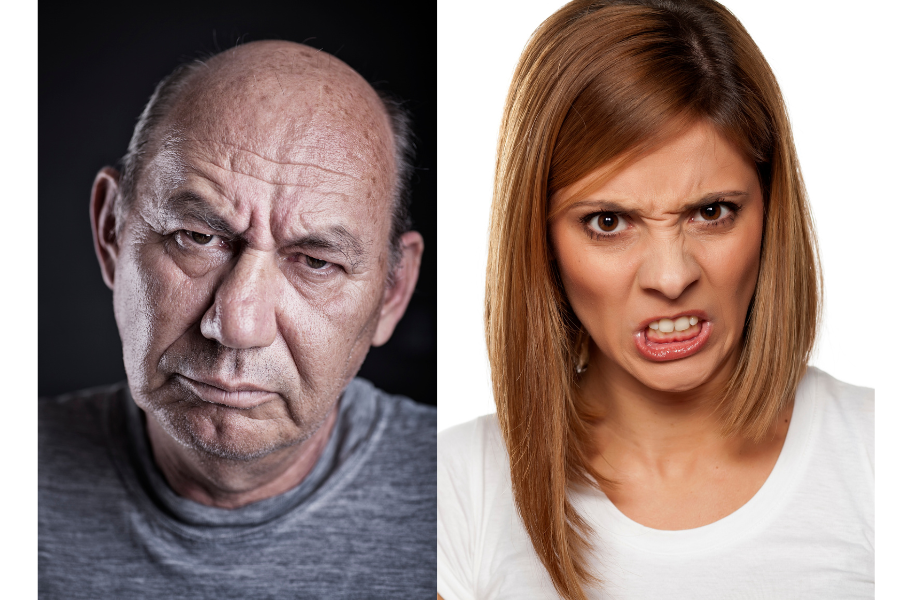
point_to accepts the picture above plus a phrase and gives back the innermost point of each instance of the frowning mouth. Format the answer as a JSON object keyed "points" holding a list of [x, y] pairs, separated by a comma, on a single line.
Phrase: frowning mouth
{"points": [[233, 395], [671, 339]]}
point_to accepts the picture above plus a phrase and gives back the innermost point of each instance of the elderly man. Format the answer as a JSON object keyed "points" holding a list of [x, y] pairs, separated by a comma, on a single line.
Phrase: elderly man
{"points": [[257, 244]]}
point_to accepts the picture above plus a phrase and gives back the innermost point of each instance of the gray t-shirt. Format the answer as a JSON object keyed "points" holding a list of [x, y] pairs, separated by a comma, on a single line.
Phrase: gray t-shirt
{"points": [[360, 525]]}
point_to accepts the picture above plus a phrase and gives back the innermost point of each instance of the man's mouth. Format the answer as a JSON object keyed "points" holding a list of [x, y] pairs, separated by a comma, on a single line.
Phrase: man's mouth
{"points": [[673, 338], [233, 395]]}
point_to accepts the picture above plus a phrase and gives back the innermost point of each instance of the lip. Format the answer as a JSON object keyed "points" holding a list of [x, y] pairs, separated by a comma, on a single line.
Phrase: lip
{"points": [[233, 395], [662, 352]]}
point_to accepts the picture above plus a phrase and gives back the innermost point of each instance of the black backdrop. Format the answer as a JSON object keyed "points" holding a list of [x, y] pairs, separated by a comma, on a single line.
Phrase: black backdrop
{"points": [[98, 66]]}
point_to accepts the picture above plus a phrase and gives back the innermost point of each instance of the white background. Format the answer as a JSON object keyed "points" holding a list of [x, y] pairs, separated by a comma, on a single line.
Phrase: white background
{"points": [[837, 67], [18, 299]]}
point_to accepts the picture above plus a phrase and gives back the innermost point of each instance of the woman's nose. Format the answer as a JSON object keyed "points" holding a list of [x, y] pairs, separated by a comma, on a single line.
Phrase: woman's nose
{"points": [[668, 267], [242, 314]]}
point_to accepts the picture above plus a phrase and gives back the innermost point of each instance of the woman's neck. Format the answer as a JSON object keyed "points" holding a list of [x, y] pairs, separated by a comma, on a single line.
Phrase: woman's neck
{"points": [[665, 451], [653, 423]]}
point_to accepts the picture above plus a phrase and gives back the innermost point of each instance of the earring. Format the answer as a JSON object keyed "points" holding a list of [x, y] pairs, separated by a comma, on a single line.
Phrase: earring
{"points": [[583, 347]]}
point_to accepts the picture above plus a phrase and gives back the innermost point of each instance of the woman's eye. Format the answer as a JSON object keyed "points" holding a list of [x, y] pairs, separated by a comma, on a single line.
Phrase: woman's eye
{"points": [[607, 223], [714, 211], [200, 238], [316, 263]]}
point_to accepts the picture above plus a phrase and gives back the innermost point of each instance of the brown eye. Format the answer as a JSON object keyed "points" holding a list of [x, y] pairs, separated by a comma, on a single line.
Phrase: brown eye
{"points": [[608, 224], [711, 212], [608, 221], [315, 263], [200, 238]]}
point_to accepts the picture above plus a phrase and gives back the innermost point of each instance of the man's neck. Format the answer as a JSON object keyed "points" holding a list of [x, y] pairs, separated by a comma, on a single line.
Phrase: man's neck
{"points": [[228, 483]]}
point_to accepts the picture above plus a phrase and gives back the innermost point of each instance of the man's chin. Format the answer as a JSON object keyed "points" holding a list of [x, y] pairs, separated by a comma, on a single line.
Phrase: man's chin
{"points": [[234, 437]]}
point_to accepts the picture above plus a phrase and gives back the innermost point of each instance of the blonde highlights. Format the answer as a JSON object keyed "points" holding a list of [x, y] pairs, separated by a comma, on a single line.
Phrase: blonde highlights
{"points": [[598, 84]]}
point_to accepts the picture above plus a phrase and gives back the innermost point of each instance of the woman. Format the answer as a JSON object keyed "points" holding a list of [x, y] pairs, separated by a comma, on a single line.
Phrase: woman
{"points": [[652, 300]]}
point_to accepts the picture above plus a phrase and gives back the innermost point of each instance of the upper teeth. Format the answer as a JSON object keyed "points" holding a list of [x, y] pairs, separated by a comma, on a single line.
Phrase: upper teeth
{"points": [[679, 324]]}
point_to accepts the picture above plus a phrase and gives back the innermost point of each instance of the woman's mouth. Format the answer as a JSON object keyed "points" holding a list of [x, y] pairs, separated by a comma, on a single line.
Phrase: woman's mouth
{"points": [[671, 339]]}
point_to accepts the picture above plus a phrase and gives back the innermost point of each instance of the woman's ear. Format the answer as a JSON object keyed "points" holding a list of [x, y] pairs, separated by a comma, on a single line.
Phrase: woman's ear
{"points": [[104, 196]]}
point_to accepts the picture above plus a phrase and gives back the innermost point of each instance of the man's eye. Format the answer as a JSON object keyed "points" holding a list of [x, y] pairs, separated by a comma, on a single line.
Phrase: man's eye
{"points": [[316, 263], [200, 238]]}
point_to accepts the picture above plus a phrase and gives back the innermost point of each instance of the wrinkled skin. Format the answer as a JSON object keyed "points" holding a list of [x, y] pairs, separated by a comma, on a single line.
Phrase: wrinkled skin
{"points": [[250, 274]]}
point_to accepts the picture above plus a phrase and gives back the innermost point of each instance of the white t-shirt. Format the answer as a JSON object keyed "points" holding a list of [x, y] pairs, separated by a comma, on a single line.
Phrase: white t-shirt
{"points": [[807, 533]]}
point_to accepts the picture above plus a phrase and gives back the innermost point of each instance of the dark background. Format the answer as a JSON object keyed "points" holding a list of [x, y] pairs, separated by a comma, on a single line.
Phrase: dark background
{"points": [[98, 66]]}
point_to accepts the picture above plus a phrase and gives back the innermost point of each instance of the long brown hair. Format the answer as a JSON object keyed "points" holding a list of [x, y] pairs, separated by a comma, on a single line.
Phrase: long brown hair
{"points": [[600, 82]]}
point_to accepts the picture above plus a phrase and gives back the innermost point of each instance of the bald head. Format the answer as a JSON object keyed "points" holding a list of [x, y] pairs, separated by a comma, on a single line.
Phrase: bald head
{"points": [[307, 99]]}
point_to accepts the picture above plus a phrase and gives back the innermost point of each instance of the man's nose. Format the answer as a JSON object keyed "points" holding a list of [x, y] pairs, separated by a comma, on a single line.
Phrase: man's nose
{"points": [[668, 267], [242, 314]]}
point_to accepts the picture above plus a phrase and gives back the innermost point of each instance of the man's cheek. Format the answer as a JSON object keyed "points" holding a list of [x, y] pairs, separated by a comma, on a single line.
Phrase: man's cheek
{"points": [[331, 327], [160, 302]]}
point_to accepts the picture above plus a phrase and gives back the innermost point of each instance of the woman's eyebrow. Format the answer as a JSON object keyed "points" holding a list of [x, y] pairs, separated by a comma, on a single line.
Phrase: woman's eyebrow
{"points": [[601, 206], [614, 206], [712, 197]]}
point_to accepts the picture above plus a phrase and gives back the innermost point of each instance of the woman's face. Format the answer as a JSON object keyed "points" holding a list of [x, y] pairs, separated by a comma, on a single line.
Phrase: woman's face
{"points": [[660, 262]]}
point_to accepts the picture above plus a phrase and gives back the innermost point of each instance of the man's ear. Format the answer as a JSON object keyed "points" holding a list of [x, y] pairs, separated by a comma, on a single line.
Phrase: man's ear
{"points": [[396, 297], [103, 222]]}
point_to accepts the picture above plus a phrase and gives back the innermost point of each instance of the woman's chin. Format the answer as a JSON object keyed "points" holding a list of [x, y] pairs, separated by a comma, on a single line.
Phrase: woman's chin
{"points": [[676, 376]]}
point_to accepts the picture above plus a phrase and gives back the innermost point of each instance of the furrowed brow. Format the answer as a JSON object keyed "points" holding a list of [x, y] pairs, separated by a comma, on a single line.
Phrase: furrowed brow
{"points": [[614, 207], [334, 239], [601, 206], [189, 205], [712, 197]]}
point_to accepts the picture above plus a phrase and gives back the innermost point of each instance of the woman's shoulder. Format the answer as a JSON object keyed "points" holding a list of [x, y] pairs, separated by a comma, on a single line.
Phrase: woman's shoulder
{"points": [[848, 408], [857, 397], [473, 472], [840, 426], [485, 425], [476, 444], [482, 547]]}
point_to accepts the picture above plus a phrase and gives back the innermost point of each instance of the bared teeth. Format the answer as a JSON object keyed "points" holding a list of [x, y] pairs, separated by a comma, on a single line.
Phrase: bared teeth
{"points": [[679, 324]]}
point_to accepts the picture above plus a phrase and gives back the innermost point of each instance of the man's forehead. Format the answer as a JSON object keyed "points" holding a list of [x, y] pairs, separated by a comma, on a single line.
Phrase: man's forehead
{"points": [[327, 178], [291, 201], [302, 135], [255, 141], [301, 165], [280, 100]]}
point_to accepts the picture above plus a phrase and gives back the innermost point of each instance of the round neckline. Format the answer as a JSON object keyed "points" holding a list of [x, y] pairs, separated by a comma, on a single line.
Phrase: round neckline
{"points": [[606, 520], [345, 448]]}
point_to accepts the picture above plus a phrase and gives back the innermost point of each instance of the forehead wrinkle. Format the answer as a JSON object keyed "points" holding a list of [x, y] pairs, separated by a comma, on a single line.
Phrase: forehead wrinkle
{"points": [[190, 204], [315, 181], [286, 163], [282, 206], [289, 174]]}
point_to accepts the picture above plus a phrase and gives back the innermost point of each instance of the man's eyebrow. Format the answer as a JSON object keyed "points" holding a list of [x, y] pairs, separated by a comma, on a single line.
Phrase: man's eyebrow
{"points": [[614, 207], [190, 205], [187, 204], [334, 239]]}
